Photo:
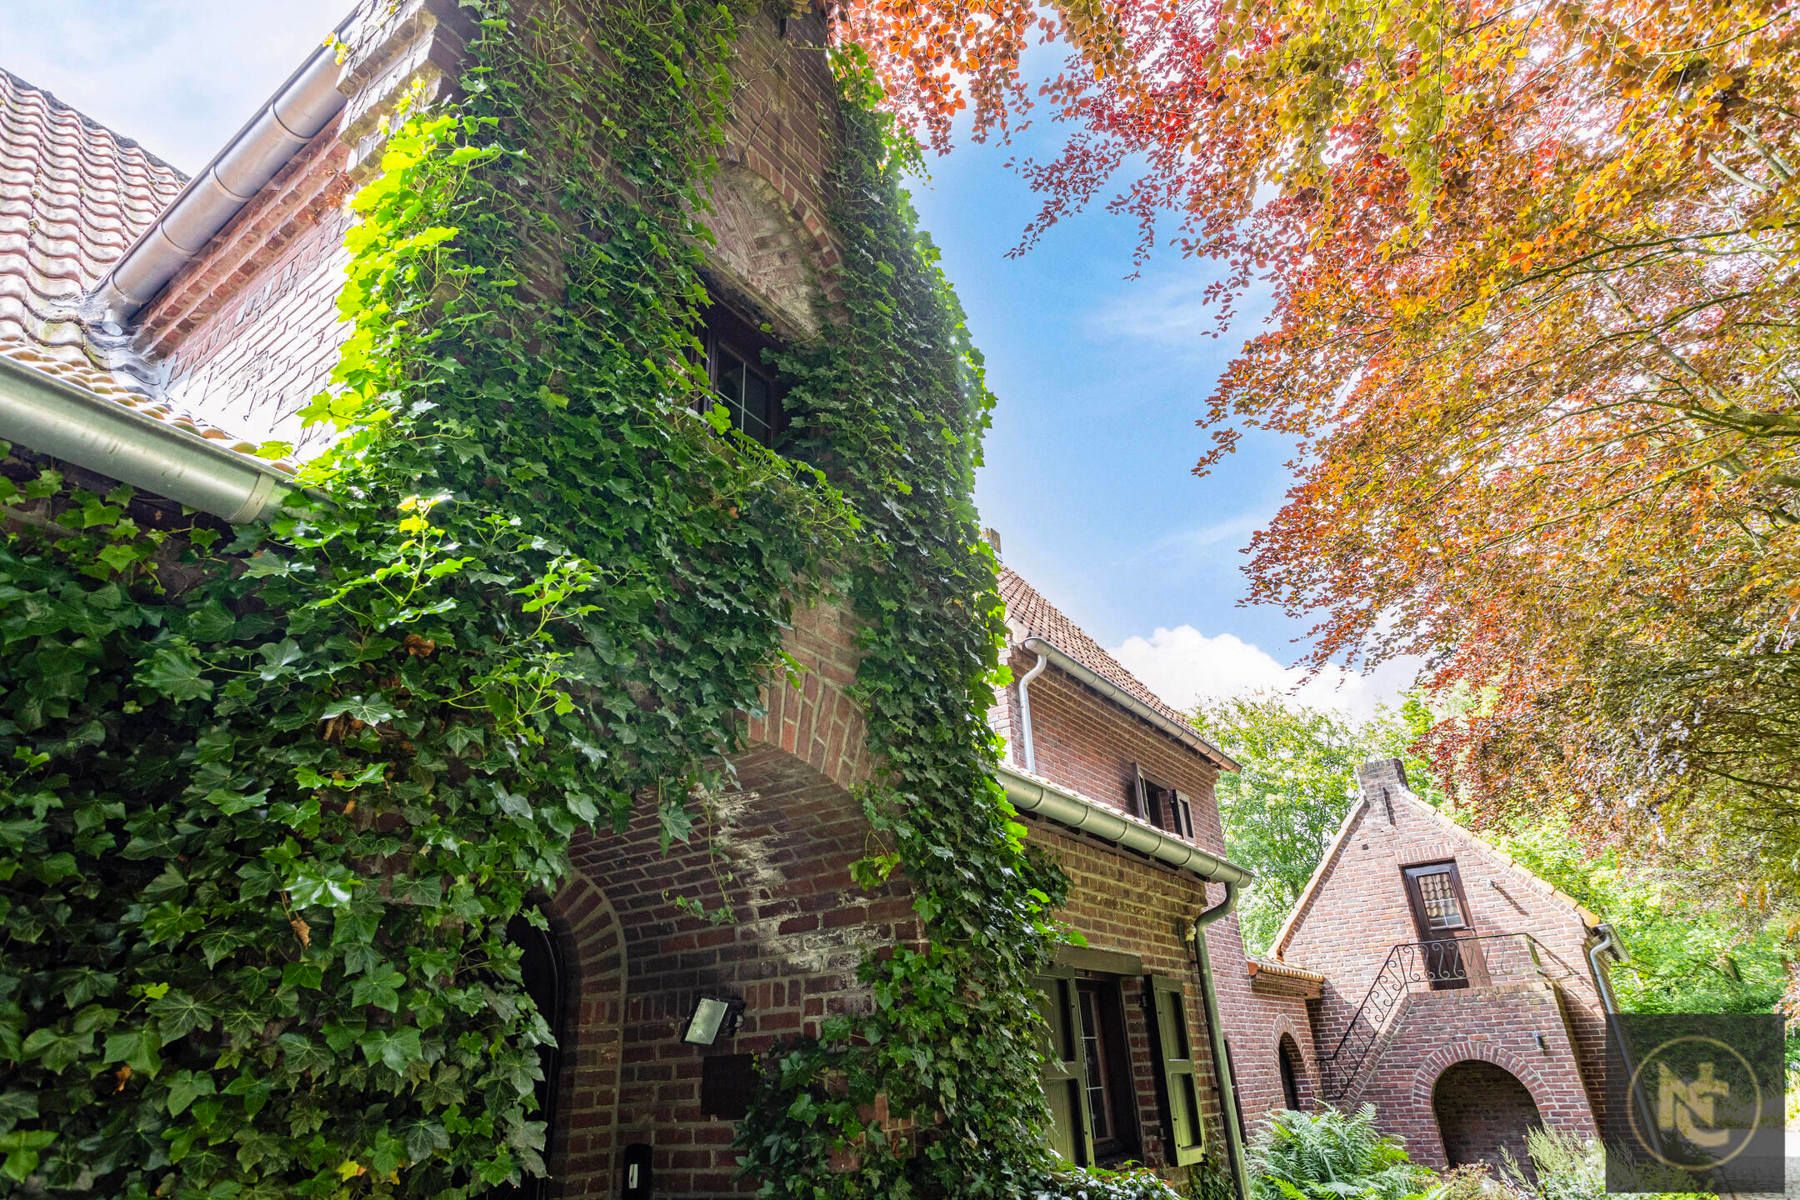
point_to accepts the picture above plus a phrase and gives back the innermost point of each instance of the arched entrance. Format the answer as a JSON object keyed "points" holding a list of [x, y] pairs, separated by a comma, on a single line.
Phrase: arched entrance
{"points": [[1293, 1071], [545, 969], [1483, 1112]]}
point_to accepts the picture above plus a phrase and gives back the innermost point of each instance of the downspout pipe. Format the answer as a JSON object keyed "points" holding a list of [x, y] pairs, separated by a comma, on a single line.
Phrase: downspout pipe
{"points": [[1028, 752], [1607, 941], [300, 108], [1209, 994], [58, 419]]}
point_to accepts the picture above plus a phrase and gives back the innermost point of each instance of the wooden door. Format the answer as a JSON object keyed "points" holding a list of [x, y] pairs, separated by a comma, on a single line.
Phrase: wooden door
{"points": [[1441, 914]]}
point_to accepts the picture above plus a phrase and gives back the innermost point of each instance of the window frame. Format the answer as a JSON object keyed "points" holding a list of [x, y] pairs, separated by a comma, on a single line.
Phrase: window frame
{"points": [[725, 330], [1067, 1083], [1165, 807], [1415, 896]]}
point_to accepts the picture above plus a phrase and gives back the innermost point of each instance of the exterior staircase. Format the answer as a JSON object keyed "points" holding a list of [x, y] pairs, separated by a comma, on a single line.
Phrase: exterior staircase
{"points": [[1415, 967]]}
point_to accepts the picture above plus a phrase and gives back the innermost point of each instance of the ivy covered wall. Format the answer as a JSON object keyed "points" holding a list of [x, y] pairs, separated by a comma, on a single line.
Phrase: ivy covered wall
{"points": [[269, 797]]}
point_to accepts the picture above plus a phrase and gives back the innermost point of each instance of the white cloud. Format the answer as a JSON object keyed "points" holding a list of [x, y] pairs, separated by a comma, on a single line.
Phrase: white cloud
{"points": [[1184, 666], [178, 76], [1174, 314]]}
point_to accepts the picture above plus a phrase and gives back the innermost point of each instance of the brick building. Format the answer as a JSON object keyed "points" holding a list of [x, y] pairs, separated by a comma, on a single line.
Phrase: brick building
{"points": [[1459, 994], [1076, 721], [154, 329]]}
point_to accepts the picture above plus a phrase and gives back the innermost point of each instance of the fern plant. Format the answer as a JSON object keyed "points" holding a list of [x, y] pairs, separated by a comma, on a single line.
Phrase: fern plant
{"points": [[1331, 1155]]}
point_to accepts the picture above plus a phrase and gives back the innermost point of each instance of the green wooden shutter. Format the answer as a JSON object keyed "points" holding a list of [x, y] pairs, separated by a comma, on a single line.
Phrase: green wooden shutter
{"points": [[1183, 1123], [1065, 1068]]}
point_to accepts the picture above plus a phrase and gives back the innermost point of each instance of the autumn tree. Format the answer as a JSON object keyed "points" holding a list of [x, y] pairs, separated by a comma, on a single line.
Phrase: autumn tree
{"points": [[1533, 270]]}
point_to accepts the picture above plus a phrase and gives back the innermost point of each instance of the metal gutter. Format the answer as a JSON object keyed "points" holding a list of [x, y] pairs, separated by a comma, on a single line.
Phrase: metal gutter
{"points": [[1070, 809], [1100, 683], [54, 417], [300, 108]]}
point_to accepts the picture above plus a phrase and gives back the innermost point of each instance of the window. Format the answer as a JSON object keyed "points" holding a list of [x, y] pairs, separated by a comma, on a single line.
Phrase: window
{"points": [[1087, 1069], [1162, 806], [1437, 897], [747, 387], [1287, 1055], [1108, 1074]]}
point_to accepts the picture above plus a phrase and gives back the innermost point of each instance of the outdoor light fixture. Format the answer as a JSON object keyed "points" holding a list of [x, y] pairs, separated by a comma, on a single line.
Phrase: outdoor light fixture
{"points": [[711, 1016]]}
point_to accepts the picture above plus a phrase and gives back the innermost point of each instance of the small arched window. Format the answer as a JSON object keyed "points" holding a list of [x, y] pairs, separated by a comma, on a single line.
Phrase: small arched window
{"points": [[1287, 1055]]}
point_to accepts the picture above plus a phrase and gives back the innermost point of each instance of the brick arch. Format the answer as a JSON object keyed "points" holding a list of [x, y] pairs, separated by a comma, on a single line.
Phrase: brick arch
{"points": [[772, 250], [1448, 1055], [815, 720], [580, 1151], [1425, 1081], [1287, 1031]]}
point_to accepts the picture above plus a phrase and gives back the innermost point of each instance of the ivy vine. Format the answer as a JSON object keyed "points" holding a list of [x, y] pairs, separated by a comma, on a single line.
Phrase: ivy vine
{"points": [[270, 796]]}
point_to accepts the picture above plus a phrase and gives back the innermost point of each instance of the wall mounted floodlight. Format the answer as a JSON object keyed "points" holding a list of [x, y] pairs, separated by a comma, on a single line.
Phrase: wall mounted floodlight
{"points": [[712, 1016]]}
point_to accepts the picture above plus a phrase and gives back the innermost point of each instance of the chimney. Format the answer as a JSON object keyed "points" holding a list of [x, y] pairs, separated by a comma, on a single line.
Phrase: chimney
{"points": [[1379, 779], [992, 538]]}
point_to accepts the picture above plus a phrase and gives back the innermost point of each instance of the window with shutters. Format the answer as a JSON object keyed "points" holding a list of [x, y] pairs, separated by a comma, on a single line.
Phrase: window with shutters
{"points": [[1171, 1039], [1087, 1069], [1161, 805]]}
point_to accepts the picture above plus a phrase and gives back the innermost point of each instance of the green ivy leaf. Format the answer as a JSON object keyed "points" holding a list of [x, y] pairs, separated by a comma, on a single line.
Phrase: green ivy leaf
{"points": [[172, 672]]}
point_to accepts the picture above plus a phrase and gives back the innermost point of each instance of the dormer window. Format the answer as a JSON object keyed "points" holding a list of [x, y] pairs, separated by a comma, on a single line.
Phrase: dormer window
{"points": [[742, 381]]}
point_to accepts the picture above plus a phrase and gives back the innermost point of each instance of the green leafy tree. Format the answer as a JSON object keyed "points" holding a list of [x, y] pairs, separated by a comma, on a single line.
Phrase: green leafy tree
{"points": [[1687, 953], [1281, 809]]}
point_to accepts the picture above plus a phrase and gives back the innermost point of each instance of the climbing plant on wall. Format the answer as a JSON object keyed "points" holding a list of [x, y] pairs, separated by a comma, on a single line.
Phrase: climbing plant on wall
{"points": [[269, 796]]}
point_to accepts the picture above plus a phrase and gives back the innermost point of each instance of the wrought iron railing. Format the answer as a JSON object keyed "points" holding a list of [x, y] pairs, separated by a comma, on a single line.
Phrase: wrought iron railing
{"points": [[1465, 962]]}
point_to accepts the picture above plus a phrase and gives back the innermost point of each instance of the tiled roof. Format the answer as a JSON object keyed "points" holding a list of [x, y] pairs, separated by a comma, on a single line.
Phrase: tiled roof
{"points": [[1034, 616], [74, 196]]}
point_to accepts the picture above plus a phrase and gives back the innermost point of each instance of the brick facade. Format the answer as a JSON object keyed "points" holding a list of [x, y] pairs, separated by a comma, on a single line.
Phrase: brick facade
{"points": [[1142, 913], [1089, 743], [1530, 1006]]}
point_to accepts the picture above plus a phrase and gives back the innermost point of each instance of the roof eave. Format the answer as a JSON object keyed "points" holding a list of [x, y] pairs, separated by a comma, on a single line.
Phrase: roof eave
{"points": [[1072, 810], [70, 423]]}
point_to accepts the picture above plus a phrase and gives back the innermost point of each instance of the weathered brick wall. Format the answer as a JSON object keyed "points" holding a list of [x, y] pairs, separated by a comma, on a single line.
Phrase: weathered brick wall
{"points": [[1501, 1026], [1360, 912], [248, 332], [773, 857], [1087, 743]]}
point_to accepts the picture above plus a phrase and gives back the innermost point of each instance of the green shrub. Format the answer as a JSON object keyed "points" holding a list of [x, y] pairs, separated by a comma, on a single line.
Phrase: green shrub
{"points": [[1330, 1155], [1565, 1167]]}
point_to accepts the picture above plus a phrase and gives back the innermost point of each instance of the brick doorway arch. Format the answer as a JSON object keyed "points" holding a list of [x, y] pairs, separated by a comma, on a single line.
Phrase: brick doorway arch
{"points": [[1296, 1085], [1483, 1112]]}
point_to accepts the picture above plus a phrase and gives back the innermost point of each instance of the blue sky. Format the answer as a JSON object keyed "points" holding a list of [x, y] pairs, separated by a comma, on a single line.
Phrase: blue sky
{"points": [[1099, 376]]}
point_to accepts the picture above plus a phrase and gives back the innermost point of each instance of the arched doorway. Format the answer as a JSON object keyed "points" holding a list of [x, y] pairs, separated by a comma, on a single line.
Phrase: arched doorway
{"points": [[546, 974], [1293, 1071], [1483, 1112]]}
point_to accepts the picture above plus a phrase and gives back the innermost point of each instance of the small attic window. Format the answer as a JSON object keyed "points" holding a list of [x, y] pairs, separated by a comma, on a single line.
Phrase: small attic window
{"points": [[742, 381], [1162, 806]]}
